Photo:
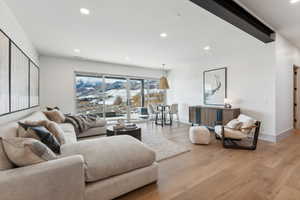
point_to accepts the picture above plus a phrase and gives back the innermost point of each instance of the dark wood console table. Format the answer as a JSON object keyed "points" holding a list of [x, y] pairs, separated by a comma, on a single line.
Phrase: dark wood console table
{"points": [[210, 115]]}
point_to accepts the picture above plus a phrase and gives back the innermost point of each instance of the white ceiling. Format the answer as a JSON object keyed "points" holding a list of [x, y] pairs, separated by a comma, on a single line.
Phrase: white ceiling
{"points": [[280, 14], [117, 29]]}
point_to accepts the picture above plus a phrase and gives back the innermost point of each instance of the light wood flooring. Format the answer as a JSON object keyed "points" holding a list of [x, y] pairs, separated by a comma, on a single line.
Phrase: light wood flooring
{"points": [[212, 172]]}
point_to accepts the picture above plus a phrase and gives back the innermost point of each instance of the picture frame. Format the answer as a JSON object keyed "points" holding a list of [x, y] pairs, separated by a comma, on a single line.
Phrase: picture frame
{"points": [[4, 75], [19, 78], [34, 75], [215, 86]]}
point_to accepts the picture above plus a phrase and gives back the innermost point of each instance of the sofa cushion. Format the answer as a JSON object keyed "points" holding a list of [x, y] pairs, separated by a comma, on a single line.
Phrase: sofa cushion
{"points": [[69, 133], [110, 156], [93, 132], [230, 133], [26, 151], [10, 130], [55, 129], [55, 115], [36, 116], [100, 123]]}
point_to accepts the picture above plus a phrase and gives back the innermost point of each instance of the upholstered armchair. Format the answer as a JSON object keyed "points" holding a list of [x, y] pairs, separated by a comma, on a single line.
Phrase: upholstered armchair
{"points": [[240, 133]]}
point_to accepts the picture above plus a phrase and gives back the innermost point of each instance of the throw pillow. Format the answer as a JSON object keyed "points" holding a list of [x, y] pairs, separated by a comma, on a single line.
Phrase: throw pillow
{"points": [[247, 126], [26, 151], [47, 138], [55, 115], [39, 133], [50, 125], [37, 123], [55, 129], [24, 131], [54, 108], [234, 124]]}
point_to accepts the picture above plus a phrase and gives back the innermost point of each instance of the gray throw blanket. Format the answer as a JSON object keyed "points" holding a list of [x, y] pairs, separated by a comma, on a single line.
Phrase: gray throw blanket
{"points": [[82, 123]]}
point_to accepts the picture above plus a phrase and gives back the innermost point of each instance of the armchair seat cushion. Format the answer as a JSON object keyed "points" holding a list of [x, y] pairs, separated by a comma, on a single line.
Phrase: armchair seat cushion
{"points": [[230, 133], [106, 157]]}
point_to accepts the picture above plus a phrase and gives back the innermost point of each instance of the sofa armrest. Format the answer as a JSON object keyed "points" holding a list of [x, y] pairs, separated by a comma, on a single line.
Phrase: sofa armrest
{"points": [[100, 123], [59, 179]]}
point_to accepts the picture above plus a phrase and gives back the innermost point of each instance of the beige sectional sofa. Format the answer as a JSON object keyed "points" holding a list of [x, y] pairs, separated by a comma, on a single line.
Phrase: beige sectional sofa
{"points": [[93, 169]]}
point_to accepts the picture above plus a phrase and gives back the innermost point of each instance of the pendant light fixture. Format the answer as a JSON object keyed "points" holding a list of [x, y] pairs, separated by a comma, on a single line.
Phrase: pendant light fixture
{"points": [[163, 82]]}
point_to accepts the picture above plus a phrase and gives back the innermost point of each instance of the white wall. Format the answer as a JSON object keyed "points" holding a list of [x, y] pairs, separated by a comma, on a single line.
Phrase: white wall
{"points": [[286, 56], [57, 83], [10, 25], [260, 82], [251, 77]]}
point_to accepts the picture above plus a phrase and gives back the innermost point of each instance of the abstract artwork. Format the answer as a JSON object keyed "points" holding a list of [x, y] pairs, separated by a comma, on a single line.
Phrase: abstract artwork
{"points": [[34, 85], [4, 74], [215, 86], [19, 80]]}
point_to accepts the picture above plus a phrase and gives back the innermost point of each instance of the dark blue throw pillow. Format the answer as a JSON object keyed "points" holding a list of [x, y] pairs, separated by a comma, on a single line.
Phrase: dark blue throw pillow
{"points": [[47, 138], [26, 126]]}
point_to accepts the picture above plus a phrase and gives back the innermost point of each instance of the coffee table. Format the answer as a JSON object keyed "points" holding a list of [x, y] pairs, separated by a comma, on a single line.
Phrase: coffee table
{"points": [[135, 132]]}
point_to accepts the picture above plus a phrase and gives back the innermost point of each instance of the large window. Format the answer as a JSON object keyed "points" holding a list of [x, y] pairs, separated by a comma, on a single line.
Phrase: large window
{"points": [[89, 95], [116, 97]]}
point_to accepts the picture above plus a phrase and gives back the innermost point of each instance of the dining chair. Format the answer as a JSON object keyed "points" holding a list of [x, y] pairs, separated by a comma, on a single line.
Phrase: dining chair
{"points": [[174, 111], [153, 112]]}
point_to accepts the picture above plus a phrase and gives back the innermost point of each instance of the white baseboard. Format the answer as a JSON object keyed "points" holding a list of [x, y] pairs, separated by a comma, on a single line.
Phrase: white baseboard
{"points": [[278, 137], [284, 134], [267, 137]]}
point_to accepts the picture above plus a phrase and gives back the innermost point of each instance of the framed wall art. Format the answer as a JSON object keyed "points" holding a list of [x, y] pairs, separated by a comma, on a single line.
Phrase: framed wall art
{"points": [[4, 74], [215, 86], [19, 78]]}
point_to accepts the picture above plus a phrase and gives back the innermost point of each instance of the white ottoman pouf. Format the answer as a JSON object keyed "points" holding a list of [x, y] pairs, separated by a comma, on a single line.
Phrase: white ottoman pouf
{"points": [[199, 135]]}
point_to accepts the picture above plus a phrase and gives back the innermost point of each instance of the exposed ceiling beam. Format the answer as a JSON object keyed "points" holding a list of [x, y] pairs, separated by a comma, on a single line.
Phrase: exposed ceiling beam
{"points": [[233, 13]]}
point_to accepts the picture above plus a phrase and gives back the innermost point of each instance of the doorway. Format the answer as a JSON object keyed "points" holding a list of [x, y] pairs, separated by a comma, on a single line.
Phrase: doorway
{"points": [[296, 97]]}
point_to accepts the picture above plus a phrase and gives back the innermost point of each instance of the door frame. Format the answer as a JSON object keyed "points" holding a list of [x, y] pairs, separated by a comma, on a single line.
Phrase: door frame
{"points": [[295, 89]]}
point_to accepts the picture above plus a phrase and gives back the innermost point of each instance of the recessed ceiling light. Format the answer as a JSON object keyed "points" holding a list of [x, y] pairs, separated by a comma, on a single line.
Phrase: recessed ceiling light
{"points": [[294, 1], [163, 35], [77, 50], [127, 58], [84, 11], [207, 48]]}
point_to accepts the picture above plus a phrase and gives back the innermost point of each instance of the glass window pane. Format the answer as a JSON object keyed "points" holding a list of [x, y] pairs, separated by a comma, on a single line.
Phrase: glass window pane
{"points": [[116, 98], [19, 80], [89, 95], [154, 95], [136, 98], [4, 74]]}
